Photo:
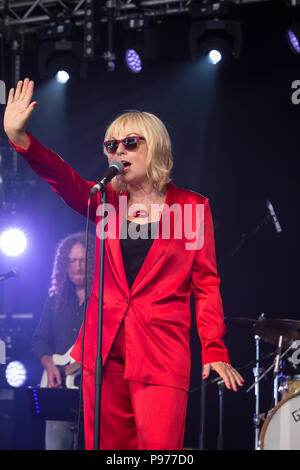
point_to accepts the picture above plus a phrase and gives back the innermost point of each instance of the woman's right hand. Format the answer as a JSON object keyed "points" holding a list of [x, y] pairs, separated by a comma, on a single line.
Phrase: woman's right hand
{"points": [[18, 111]]}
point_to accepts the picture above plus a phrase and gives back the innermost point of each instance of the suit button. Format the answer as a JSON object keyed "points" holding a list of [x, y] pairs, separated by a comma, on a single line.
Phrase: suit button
{"points": [[126, 300]]}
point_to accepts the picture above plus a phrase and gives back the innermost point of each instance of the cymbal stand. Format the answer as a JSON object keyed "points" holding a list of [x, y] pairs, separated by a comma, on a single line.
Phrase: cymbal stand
{"points": [[256, 385], [256, 372], [271, 367], [276, 370]]}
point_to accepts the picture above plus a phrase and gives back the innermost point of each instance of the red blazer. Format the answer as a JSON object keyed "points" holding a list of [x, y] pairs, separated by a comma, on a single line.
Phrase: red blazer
{"points": [[156, 310]]}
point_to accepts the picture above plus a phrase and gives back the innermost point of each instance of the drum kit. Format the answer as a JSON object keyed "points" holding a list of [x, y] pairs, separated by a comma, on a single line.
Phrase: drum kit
{"points": [[281, 427]]}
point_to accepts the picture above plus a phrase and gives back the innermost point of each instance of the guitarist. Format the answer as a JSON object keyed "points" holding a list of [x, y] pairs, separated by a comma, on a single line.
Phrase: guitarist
{"points": [[60, 322]]}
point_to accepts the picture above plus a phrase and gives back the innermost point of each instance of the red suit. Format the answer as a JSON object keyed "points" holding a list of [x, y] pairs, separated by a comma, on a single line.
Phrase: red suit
{"points": [[156, 310]]}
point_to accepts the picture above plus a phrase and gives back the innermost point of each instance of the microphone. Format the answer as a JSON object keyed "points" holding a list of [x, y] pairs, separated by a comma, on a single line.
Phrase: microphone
{"points": [[274, 217], [115, 168], [13, 273]]}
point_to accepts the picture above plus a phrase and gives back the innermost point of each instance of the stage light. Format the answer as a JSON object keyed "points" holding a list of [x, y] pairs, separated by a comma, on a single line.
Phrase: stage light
{"points": [[140, 46], [16, 374], [62, 76], [208, 8], [293, 38], [133, 61], [13, 242], [215, 48], [54, 56], [214, 56], [89, 28], [218, 41], [36, 401]]}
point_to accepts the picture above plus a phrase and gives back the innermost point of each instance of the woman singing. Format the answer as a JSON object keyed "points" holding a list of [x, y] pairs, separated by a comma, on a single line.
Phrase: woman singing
{"points": [[159, 249]]}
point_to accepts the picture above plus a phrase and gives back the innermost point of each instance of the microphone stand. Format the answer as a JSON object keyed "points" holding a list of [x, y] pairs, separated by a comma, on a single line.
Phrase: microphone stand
{"points": [[246, 236], [99, 360], [205, 383], [221, 386], [202, 418]]}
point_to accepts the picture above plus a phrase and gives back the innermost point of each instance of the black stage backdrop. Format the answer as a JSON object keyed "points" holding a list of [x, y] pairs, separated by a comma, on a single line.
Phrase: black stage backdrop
{"points": [[235, 132]]}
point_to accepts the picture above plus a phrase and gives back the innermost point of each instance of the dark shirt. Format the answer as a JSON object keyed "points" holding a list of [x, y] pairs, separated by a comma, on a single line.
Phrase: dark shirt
{"points": [[58, 330], [135, 245]]}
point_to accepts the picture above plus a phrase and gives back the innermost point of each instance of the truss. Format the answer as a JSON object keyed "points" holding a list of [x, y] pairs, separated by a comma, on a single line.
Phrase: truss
{"points": [[30, 13]]}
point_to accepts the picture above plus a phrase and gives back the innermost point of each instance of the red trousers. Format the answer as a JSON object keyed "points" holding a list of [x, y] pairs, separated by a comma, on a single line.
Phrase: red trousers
{"points": [[134, 415]]}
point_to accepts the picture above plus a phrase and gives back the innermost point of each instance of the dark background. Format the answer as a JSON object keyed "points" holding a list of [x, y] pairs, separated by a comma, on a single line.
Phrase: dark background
{"points": [[235, 132]]}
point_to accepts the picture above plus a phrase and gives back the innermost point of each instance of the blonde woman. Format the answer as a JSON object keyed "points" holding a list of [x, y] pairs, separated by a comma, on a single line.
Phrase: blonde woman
{"points": [[153, 265]]}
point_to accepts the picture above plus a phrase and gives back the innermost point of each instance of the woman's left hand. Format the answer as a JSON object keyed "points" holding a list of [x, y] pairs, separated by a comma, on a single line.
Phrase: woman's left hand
{"points": [[230, 376]]}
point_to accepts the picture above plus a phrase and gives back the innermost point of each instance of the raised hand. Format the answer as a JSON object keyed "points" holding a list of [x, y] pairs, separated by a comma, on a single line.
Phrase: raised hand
{"points": [[18, 111]]}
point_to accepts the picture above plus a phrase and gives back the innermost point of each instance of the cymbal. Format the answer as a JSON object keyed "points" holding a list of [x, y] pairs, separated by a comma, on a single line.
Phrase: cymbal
{"points": [[271, 330]]}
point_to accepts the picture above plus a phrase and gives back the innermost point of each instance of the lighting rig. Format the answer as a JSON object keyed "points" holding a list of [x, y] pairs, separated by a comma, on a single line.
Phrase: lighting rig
{"points": [[210, 21]]}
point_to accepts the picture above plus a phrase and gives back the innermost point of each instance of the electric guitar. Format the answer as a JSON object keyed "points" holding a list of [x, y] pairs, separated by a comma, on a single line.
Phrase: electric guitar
{"points": [[68, 368]]}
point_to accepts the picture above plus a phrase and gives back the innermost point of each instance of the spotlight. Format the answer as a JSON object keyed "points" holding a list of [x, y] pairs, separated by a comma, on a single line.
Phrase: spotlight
{"points": [[293, 38], [218, 41], [60, 55], [62, 76], [13, 242], [140, 47], [16, 374], [214, 56], [133, 61]]}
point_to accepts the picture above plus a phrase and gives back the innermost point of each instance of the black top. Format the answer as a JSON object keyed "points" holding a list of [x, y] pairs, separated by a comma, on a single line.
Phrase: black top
{"points": [[136, 241], [58, 330]]}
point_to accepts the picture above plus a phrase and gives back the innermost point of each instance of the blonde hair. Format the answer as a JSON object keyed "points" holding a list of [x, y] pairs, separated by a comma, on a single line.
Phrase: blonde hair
{"points": [[159, 157]]}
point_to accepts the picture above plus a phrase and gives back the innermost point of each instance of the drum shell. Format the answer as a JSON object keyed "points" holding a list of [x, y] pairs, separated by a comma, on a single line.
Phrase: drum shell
{"points": [[281, 428], [289, 385]]}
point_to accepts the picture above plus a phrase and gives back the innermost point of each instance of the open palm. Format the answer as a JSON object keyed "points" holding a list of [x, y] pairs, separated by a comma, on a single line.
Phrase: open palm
{"points": [[19, 107]]}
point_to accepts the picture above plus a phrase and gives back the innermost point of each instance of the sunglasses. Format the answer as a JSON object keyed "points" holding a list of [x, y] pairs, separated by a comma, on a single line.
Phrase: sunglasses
{"points": [[130, 143]]}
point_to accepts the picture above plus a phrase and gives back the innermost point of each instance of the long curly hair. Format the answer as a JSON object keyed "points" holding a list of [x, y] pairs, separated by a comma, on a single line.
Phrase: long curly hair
{"points": [[61, 287]]}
